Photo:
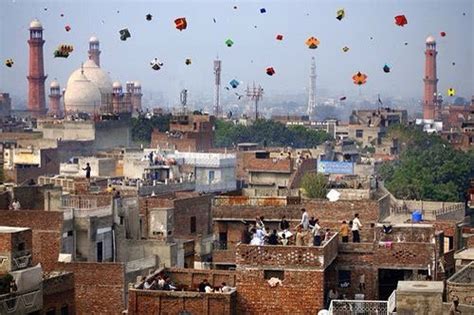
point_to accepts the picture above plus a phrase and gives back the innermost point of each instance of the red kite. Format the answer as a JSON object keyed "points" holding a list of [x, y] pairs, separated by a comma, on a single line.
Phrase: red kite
{"points": [[401, 20], [181, 23]]}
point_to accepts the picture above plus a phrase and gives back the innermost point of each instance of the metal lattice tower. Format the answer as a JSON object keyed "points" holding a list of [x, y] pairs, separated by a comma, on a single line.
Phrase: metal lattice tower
{"points": [[255, 94], [312, 88], [217, 87]]}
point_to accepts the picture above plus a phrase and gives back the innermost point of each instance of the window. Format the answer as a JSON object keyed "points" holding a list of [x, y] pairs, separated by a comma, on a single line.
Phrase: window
{"points": [[21, 246], [70, 233], [268, 274], [448, 243], [193, 224], [211, 176], [359, 133], [65, 310], [51, 311], [344, 277], [121, 220]]}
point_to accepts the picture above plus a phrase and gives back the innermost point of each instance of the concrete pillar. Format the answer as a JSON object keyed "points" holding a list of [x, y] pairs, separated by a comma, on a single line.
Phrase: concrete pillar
{"points": [[420, 297]]}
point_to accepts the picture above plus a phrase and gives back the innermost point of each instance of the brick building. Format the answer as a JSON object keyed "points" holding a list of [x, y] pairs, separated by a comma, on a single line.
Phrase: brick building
{"points": [[188, 133]]}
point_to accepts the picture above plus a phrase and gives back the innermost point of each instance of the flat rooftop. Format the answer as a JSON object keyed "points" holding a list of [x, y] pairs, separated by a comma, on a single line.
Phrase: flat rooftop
{"points": [[12, 229], [420, 286], [465, 254]]}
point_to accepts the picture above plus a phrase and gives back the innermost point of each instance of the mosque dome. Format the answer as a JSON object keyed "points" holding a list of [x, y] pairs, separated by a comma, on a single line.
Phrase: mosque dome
{"points": [[36, 24], [54, 84], [93, 39], [430, 40], [82, 95], [96, 75], [117, 85]]}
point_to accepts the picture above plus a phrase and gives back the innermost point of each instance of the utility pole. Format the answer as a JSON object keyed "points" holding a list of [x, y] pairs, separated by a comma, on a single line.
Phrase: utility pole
{"points": [[255, 93]]}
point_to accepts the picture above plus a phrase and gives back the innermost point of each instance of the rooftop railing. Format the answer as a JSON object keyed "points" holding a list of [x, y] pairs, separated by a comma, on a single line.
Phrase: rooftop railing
{"points": [[351, 307]]}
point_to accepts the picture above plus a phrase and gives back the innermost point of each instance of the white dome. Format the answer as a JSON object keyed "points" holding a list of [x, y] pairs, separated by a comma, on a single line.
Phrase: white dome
{"points": [[137, 84], [81, 95], [54, 84], [117, 85], [93, 39], [430, 40], [96, 75], [36, 24]]}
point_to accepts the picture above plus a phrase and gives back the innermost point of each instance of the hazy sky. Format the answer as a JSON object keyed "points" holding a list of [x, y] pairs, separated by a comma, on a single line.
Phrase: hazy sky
{"points": [[255, 46]]}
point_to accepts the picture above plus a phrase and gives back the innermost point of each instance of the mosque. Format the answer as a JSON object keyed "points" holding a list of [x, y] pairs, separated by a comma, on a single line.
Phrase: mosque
{"points": [[89, 89]]}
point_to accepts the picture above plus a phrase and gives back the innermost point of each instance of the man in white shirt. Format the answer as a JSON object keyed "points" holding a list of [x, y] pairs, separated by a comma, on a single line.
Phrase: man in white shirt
{"points": [[304, 219], [356, 225]]}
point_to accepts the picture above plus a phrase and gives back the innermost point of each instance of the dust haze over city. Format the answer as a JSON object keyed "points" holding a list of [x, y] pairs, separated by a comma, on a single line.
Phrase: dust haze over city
{"points": [[368, 30]]}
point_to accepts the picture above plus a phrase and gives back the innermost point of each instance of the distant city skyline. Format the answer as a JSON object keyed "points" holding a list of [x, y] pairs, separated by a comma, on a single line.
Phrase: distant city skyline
{"points": [[368, 30]]}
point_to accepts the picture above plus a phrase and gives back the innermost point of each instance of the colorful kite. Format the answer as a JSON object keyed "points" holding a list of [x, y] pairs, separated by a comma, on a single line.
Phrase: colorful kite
{"points": [[359, 78], [279, 37], [9, 63], [63, 51], [180, 23], [156, 64], [312, 42], [270, 71], [67, 28], [229, 42], [340, 14], [234, 83], [401, 20], [188, 61], [124, 34], [442, 34], [345, 49], [451, 92]]}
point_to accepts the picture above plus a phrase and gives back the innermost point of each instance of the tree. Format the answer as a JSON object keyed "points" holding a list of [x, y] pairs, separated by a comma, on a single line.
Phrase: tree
{"points": [[315, 185], [268, 132], [429, 168], [142, 127]]}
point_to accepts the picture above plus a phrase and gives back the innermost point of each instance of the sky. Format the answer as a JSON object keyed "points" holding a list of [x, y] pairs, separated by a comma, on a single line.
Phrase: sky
{"points": [[368, 29]]}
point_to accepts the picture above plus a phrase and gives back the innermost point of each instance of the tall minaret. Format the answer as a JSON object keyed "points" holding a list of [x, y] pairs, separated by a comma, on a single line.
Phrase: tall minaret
{"points": [[94, 51], [55, 99], [430, 98], [312, 89], [217, 87], [117, 97], [137, 97], [36, 77]]}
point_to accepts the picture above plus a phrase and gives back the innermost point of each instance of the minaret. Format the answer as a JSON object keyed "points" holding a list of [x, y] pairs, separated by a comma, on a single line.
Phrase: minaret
{"points": [[136, 97], [117, 97], [217, 87], [127, 104], [312, 89], [36, 77], [55, 99], [430, 99], [94, 51]]}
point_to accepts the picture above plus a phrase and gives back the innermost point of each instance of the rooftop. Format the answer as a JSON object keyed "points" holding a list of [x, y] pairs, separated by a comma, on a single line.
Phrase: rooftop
{"points": [[420, 286], [465, 254]]}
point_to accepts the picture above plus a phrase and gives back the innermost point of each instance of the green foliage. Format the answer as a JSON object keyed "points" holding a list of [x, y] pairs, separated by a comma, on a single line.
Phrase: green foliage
{"points": [[428, 168], [268, 132], [142, 127], [315, 185]]}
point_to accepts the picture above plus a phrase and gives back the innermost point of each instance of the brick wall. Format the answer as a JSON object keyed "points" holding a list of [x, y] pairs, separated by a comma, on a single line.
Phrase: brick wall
{"points": [[99, 287], [324, 210], [301, 292], [47, 233], [184, 209], [172, 302], [192, 277], [58, 292]]}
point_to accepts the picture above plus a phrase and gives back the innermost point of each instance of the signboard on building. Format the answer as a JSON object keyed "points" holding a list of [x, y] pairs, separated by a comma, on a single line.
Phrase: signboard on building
{"points": [[331, 167]]}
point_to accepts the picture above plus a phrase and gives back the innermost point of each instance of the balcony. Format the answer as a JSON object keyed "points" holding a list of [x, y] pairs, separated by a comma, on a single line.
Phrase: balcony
{"points": [[279, 256], [21, 303], [350, 307]]}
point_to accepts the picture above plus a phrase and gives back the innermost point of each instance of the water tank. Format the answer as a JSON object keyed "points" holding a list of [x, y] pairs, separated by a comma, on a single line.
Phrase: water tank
{"points": [[416, 216]]}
